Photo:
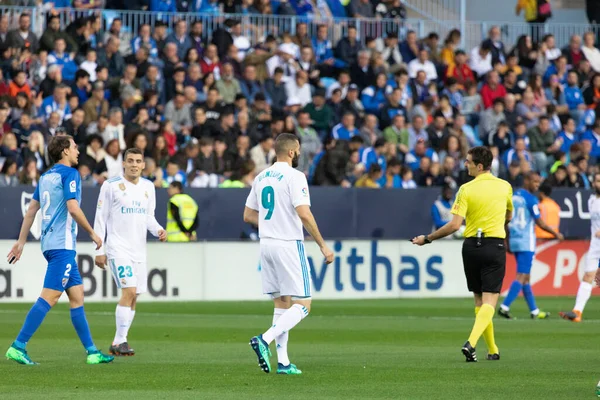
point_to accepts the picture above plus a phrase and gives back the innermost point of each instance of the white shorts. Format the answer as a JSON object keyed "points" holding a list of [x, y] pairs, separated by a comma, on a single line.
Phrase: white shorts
{"points": [[128, 274], [592, 262], [284, 268]]}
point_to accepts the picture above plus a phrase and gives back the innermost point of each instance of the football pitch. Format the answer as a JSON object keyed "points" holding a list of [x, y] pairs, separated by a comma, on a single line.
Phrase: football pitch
{"points": [[367, 349]]}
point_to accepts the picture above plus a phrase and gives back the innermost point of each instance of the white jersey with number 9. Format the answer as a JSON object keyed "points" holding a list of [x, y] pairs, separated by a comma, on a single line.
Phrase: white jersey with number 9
{"points": [[275, 194]]}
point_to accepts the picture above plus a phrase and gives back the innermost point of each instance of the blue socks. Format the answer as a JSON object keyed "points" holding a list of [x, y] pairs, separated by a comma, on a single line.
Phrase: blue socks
{"points": [[513, 293], [82, 328], [528, 294], [34, 319]]}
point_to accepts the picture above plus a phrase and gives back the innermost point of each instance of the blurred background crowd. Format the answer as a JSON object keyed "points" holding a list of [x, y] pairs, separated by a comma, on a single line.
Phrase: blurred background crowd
{"points": [[204, 105]]}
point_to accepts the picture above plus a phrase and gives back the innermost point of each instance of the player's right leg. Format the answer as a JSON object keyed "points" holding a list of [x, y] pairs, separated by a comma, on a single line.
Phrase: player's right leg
{"points": [[125, 274], [57, 276], [585, 289], [524, 261], [294, 278]]}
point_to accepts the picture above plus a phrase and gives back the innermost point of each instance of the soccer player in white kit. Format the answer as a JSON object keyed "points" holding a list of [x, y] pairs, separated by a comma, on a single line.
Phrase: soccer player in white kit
{"points": [[592, 264], [124, 213], [279, 204]]}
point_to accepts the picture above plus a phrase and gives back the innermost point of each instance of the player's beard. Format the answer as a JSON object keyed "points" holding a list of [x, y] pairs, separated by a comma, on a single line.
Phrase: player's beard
{"points": [[295, 160]]}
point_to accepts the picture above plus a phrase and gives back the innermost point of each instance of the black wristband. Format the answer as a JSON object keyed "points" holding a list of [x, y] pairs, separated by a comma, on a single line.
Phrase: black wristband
{"points": [[427, 240]]}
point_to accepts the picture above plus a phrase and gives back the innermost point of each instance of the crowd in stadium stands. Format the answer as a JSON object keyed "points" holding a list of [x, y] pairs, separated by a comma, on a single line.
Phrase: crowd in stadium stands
{"points": [[397, 112]]}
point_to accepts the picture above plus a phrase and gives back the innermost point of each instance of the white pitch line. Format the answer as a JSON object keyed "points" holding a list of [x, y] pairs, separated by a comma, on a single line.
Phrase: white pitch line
{"points": [[397, 317]]}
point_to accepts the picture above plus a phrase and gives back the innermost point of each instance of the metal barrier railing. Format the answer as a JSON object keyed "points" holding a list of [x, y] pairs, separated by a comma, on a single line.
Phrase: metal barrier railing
{"points": [[258, 26]]}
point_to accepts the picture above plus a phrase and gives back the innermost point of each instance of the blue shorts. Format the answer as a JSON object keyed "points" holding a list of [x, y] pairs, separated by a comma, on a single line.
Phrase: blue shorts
{"points": [[62, 272], [524, 261]]}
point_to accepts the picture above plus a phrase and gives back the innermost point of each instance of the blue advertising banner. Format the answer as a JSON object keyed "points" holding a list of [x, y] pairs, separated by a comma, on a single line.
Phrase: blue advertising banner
{"points": [[340, 213]]}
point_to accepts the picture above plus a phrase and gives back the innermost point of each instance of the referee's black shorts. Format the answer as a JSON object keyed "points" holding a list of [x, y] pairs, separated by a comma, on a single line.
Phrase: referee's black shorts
{"points": [[484, 264]]}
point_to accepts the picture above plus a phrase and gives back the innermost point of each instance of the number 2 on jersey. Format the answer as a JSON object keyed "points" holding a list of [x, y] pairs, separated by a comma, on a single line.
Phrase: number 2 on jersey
{"points": [[268, 200], [46, 201]]}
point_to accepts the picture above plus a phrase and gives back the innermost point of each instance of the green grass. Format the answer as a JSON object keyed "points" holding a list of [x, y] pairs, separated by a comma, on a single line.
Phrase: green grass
{"points": [[392, 349]]}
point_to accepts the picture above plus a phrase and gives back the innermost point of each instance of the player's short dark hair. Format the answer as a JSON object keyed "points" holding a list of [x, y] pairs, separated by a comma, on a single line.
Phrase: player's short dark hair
{"points": [[285, 142], [133, 150], [57, 145], [482, 155]]}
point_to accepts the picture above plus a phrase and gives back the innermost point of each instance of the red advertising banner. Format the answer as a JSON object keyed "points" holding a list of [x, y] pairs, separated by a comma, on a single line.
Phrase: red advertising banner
{"points": [[557, 268]]}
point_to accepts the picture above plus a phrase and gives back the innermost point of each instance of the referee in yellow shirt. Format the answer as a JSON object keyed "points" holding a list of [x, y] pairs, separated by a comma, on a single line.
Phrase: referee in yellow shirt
{"points": [[486, 204]]}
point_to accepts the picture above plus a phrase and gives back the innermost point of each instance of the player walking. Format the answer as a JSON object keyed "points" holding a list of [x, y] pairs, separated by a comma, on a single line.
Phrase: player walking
{"points": [[593, 258], [124, 213], [521, 241], [279, 204], [58, 194]]}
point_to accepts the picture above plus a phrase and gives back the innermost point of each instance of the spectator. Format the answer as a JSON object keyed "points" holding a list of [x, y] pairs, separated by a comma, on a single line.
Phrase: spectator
{"points": [[374, 97], [93, 153], [528, 111], [348, 47], [299, 88], [361, 72], [370, 131], [153, 173], [274, 88], [407, 178], [8, 173], [422, 63], [284, 59], [75, 127], [96, 105], [345, 129], [57, 103], [160, 152], [370, 179], [495, 43], [112, 163], [263, 154], [311, 143], [181, 38], [419, 88], [413, 158], [437, 132], [320, 113], [173, 174], [115, 129], [517, 154], [110, 57], [409, 48], [567, 137], [228, 86], [29, 175], [23, 37], [492, 89], [416, 132], [440, 210]]}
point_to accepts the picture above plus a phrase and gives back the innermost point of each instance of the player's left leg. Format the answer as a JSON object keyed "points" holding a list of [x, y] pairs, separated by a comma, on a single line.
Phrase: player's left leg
{"points": [[74, 290], [524, 261], [60, 265]]}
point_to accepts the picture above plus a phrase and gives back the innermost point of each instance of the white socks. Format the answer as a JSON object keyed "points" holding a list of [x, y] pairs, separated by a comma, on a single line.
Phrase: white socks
{"points": [[124, 318], [583, 295], [289, 319], [282, 340]]}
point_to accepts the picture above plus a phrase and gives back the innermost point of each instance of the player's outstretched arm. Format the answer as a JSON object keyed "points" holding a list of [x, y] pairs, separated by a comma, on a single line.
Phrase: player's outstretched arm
{"points": [[310, 224], [15, 253], [79, 217]]}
